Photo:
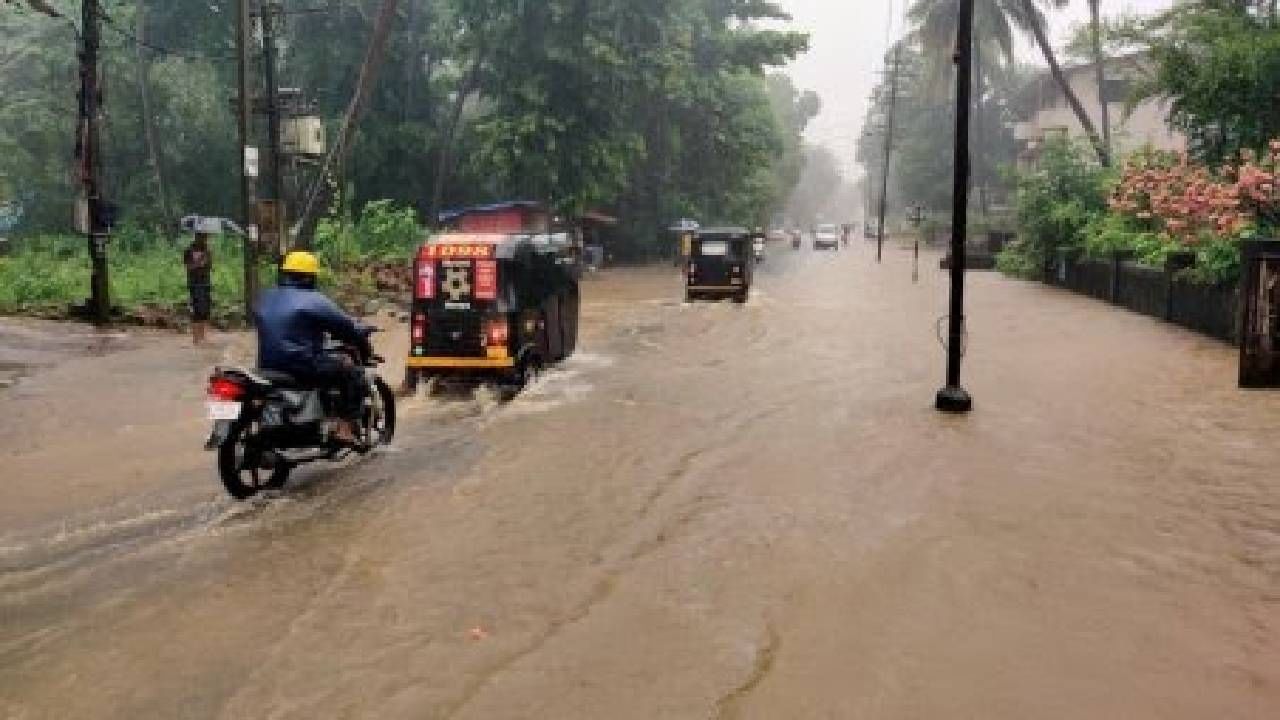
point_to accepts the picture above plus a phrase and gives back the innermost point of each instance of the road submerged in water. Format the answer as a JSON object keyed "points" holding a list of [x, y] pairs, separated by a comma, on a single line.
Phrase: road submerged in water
{"points": [[711, 511]]}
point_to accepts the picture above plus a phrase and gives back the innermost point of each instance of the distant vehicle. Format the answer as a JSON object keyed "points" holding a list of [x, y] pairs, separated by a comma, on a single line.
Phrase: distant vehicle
{"points": [[778, 235], [719, 265], [496, 298], [796, 238], [757, 248], [826, 237]]}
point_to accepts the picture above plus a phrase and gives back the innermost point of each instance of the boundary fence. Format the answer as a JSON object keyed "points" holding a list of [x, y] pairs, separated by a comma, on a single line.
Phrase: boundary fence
{"points": [[1212, 310]]}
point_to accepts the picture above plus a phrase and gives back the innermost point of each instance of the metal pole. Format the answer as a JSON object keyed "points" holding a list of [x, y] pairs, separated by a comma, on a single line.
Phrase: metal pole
{"points": [[247, 199], [888, 148], [953, 398], [99, 286]]}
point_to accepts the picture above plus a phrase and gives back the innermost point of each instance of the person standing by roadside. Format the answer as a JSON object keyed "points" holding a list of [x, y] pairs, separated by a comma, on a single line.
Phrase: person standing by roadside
{"points": [[198, 260]]}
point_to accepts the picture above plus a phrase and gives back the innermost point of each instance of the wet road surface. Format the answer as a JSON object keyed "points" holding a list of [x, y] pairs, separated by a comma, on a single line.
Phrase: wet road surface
{"points": [[712, 511]]}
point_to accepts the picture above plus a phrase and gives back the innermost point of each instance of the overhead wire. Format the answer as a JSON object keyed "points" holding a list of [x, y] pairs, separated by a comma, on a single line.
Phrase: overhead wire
{"points": [[158, 49]]}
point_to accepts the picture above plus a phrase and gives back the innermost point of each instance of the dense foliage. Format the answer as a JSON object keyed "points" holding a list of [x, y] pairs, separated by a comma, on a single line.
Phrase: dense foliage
{"points": [[924, 136], [1219, 63], [361, 255], [1057, 202], [649, 110], [1157, 204]]}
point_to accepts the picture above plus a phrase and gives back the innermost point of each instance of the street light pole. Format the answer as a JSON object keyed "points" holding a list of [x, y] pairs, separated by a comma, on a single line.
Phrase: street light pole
{"points": [[953, 398]]}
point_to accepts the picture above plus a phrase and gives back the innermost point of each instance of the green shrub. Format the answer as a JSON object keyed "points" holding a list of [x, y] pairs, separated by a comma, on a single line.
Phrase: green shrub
{"points": [[1112, 233], [1015, 261], [382, 232], [1056, 202]]}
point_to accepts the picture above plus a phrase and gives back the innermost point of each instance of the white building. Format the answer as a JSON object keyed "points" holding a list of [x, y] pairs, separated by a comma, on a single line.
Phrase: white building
{"points": [[1047, 114]]}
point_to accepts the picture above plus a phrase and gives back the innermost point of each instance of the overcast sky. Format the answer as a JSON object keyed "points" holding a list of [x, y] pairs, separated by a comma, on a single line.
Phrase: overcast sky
{"points": [[848, 40]]}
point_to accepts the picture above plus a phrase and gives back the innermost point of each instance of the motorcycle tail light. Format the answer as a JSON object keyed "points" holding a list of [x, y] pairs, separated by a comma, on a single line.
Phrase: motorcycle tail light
{"points": [[221, 388], [419, 328], [497, 332]]}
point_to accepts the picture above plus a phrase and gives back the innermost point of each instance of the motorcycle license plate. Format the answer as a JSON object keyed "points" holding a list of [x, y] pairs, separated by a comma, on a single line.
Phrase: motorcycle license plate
{"points": [[223, 410]]}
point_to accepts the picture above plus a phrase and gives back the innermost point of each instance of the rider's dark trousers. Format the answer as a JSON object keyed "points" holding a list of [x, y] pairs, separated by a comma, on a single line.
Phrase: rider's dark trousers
{"points": [[333, 372]]}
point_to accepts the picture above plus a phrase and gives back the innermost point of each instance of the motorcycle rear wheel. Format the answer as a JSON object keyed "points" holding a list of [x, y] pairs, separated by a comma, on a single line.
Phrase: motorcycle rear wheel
{"points": [[242, 481], [383, 430]]}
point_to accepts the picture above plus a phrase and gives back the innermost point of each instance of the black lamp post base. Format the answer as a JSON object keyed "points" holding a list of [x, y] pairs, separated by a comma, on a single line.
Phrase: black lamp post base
{"points": [[954, 399]]}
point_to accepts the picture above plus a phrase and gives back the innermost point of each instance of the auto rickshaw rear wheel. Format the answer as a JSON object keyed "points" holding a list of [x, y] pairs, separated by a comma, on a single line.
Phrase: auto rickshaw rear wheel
{"points": [[525, 371]]}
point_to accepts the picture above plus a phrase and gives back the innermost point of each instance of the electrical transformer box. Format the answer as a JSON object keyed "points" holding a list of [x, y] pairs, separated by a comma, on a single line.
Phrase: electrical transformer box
{"points": [[303, 136]]}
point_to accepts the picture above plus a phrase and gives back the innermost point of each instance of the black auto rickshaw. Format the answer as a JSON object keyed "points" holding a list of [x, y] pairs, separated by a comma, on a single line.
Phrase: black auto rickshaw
{"points": [[719, 264], [493, 306]]}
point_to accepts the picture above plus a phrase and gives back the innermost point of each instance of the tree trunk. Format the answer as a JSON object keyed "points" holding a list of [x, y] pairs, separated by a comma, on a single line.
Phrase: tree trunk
{"points": [[318, 197], [1099, 66], [148, 119], [1046, 49], [980, 175], [444, 158], [413, 67]]}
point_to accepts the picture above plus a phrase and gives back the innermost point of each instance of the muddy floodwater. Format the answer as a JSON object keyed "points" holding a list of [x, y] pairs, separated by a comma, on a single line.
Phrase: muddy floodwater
{"points": [[712, 511]]}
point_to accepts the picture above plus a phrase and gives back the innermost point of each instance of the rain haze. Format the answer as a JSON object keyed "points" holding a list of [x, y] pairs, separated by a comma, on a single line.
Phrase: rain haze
{"points": [[848, 41]]}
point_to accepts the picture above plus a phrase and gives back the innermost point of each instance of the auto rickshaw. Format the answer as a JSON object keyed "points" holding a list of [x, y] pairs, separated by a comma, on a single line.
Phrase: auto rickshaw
{"points": [[719, 264], [493, 306]]}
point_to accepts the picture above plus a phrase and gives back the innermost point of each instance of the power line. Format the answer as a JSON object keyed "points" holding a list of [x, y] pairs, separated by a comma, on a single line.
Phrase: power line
{"points": [[185, 54]]}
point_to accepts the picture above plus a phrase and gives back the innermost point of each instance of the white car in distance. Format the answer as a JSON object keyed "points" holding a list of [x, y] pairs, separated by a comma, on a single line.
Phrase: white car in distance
{"points": [[826, 237]]}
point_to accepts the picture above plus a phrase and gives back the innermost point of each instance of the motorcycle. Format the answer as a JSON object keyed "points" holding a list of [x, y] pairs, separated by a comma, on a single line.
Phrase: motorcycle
{"points": [[266, 423]]}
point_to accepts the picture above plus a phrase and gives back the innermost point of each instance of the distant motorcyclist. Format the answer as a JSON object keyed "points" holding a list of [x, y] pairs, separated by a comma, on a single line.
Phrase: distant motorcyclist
{"points": [[292, 321]]}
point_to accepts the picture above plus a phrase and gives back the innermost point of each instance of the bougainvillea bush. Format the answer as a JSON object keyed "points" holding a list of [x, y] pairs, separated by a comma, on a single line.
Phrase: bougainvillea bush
{"points": [[1193, 208], [1159, 203]]}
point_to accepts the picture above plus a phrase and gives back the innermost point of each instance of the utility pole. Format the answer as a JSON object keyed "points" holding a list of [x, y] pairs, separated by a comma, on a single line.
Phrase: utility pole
{"points": [[248, 159], [953, 398], [93, 207], [888, 146], [272, 109]]}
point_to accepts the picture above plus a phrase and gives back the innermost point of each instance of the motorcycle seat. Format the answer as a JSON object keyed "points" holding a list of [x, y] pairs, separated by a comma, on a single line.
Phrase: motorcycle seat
{"points": [[280, 380]]}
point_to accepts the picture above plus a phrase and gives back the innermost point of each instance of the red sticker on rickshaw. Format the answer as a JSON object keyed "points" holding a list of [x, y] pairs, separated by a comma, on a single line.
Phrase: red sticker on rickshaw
{"points": [[426, 281], [486, 280]]}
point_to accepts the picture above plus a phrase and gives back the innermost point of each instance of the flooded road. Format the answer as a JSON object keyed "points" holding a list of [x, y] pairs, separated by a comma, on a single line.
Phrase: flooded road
{"points": [[713, 511]]}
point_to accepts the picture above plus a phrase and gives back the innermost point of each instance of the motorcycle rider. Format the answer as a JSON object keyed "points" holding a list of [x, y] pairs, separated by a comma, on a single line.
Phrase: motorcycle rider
{"points": [[292, 321]]}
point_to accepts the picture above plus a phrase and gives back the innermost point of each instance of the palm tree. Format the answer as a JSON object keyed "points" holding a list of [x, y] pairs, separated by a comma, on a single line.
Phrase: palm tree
{"points": [[995, 22], [1095, 26]]}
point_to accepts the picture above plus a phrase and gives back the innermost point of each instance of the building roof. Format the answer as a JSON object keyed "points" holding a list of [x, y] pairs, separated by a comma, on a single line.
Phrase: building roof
{"points": [[505, 245], [450, 215]]}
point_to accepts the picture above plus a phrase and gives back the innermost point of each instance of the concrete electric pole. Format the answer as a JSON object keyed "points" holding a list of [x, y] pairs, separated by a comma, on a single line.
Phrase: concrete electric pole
{"points": [[248, 158], [891, 118], [92, 209]]}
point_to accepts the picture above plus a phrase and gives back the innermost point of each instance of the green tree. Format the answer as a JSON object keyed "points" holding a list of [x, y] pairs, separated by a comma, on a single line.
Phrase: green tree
{"points": [[1219, 64]]}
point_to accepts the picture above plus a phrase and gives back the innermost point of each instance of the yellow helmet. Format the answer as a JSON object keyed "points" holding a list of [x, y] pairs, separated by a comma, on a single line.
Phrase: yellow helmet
{"points": [[303, 263]]}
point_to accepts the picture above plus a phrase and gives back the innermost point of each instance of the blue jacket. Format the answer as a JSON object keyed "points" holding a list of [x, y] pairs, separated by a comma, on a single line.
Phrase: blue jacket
{"points": [[292, 323]]}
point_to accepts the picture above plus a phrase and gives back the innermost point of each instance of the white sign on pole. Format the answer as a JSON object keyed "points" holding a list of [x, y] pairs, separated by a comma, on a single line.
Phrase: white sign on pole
{"points": [[251, 161]]}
